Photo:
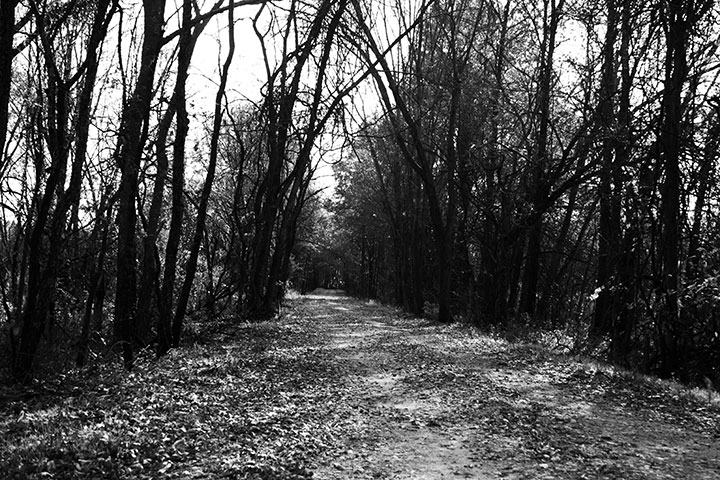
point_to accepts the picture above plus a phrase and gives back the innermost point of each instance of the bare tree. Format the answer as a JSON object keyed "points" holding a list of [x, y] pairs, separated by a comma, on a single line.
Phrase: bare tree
{"points": [[46, 238], [191, 267], [680, 16], [419, 149]]}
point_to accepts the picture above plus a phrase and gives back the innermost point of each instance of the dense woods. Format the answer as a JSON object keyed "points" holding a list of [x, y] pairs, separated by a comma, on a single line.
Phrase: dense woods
{"points": [[522, 166]]}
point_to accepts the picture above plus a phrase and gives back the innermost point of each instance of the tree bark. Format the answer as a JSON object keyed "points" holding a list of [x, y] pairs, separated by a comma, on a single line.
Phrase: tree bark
{"points": [[609, 222], [191, 266], [177, 107], [625, 320], [7, 53], [130, 146], [539, 190], [681, 16]]}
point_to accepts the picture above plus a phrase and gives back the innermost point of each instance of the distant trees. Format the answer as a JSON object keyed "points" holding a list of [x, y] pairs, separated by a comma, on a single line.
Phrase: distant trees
{"points": [[433, 75], [385, 241]]}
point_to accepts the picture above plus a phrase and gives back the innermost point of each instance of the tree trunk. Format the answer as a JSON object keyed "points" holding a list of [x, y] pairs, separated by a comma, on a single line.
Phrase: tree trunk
{"points": [[42, 252], [417, 254], [151, 263], [670, 140], [280, 267], [625, 320], [166, 334], [96, 292], [7, 53], [531, 271], [280, 102], [418, 159], [539, 190], [681, 17], [46, 246], [704, 177], [609, 222], [191, 266], [130, 147]]}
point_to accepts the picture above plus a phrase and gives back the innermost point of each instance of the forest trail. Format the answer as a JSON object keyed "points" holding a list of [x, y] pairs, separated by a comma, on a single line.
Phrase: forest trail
{"points": [[438, 402], [338, 388]]}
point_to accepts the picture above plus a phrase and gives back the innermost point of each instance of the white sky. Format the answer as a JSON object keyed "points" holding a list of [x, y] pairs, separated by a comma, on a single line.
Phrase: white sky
{"points": [[248, 72]]}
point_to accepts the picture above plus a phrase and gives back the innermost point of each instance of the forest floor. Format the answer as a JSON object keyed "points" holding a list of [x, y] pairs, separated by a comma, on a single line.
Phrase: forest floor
{"points": [[339, 388]]}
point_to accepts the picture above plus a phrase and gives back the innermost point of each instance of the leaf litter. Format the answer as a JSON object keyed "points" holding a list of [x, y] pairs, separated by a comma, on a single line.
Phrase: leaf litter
{"points": [[339, 388]]}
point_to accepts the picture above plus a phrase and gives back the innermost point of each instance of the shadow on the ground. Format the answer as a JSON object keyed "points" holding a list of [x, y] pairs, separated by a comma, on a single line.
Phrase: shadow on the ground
{"points": [[339, 388], [492, 409]]}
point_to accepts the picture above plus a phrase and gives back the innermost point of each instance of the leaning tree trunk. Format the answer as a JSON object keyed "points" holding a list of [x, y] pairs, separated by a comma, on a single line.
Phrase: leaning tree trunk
{"points": [[165, 302], [418, 160], [280, 102], [150, 279], [280, 265], [191, 267]]}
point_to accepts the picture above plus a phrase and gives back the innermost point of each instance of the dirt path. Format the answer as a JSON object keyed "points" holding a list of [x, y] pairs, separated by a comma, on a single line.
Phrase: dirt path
{"points": [[341, 389], [431, 401]]}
